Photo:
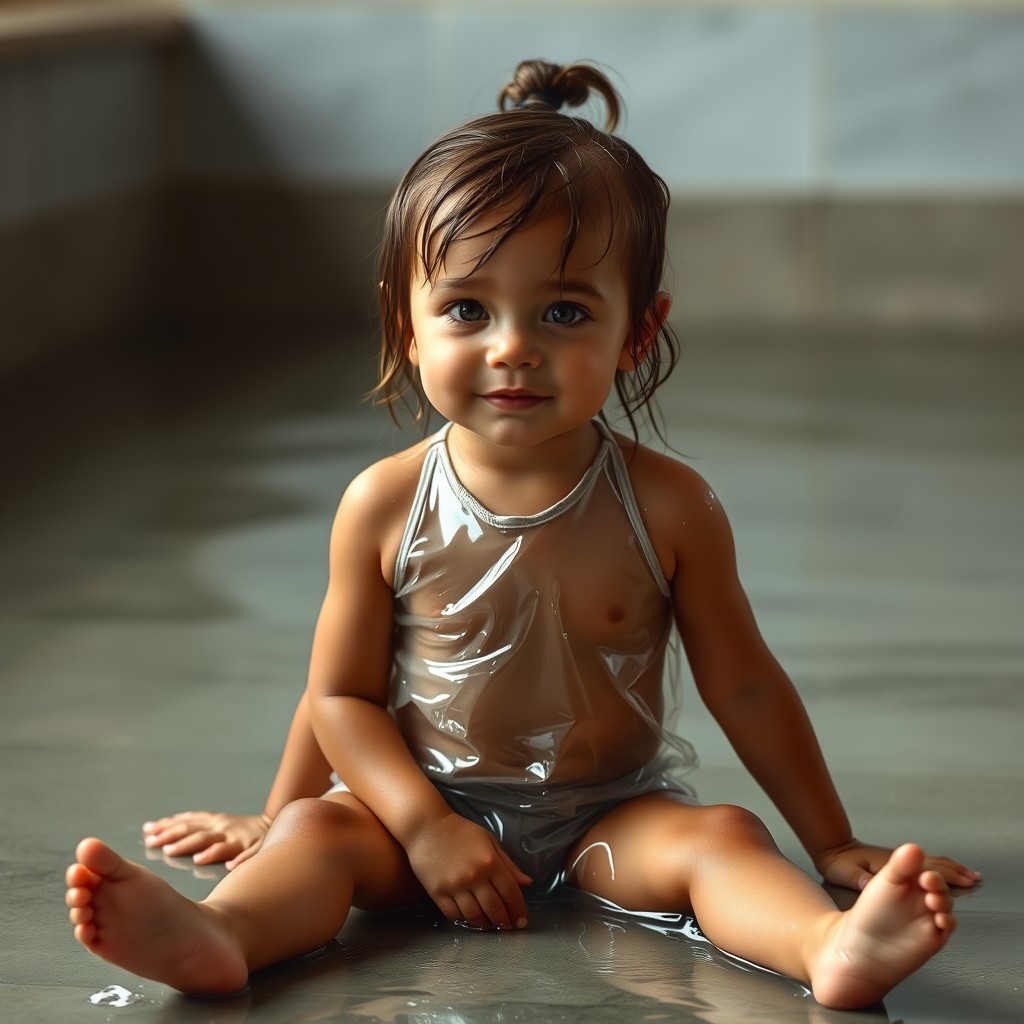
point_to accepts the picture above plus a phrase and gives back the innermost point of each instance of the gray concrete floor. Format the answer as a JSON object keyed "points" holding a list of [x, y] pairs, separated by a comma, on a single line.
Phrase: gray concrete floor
{"points": [[163, 559]]}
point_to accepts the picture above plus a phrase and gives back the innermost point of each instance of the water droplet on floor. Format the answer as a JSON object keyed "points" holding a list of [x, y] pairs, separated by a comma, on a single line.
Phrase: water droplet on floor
{"points": [[114, 995]]}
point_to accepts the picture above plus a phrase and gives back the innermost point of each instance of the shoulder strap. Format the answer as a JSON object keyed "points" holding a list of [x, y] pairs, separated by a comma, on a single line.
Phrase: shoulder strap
{"points": [[416, 509], [625, 488]]}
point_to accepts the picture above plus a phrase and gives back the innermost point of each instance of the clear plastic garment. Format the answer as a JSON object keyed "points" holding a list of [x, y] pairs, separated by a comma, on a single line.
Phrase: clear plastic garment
{"points": [[530, 651]]}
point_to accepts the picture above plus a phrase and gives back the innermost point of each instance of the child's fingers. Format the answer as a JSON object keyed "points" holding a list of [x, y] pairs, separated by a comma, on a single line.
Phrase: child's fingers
{"points": [[483, 909], [170, 830], [511, 894], [851, 874], [168, 834], [467, 874], [218, 851], [501, 898], [952, 872], [500, 894], [449, 907], [461, 908], [485, 906], [243, 856], [521, 877], [172, 820], [158, 825], [193, 844]]}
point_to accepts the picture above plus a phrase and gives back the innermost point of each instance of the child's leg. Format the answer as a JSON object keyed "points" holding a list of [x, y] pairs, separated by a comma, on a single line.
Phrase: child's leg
{"points": [[320, 857], [653, 853]]}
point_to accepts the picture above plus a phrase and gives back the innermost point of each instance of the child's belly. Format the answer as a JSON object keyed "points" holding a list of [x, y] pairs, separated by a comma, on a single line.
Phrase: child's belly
{"points": [[538, 734], [540, 679]]}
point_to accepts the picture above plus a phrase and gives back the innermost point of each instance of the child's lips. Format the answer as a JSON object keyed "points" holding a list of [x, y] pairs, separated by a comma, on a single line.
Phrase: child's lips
{"points": [[511, 399]]}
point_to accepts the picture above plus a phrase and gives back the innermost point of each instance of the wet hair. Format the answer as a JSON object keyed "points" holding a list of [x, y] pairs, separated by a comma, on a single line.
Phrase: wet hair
{"points": [[526, 162]]}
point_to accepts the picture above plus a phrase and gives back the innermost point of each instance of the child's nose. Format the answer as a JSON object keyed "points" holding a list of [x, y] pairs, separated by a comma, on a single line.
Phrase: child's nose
{"points": [[512, 346]]}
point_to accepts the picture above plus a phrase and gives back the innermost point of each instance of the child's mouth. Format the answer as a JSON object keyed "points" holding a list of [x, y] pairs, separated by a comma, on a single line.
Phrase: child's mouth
{"points": [[512, 401]]}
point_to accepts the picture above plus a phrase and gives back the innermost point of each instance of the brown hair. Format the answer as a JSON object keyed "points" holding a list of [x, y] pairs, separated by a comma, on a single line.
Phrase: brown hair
{"points": [[528, 159]]}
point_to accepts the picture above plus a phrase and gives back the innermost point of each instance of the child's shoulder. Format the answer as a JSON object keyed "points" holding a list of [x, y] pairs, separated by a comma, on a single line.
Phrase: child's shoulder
{"points": [[388, 483], [372, 512], [658, 478], [680, 510]]}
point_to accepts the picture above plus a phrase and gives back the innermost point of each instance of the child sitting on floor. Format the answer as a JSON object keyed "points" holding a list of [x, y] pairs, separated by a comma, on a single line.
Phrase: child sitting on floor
{"points": [[487, 668]]}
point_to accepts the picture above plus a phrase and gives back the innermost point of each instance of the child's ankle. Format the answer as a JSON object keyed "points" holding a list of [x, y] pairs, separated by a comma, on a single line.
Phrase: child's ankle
{"points": [[818, 943]]}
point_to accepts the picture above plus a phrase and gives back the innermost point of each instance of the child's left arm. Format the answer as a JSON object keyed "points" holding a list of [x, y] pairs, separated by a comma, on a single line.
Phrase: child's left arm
{"points": [[747, 691]]}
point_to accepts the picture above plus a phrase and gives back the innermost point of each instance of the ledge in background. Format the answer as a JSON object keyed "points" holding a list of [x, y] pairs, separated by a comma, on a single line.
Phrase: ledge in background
{"points": [[31, 27]]}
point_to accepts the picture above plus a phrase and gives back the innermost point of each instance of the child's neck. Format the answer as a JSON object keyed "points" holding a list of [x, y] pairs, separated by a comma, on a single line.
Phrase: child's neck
{"points": [[522, 481]]}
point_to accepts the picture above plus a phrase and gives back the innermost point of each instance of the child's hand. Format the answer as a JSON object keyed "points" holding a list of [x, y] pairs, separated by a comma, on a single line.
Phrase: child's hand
{"points": [[855, 863], [208, 837], [467, 874]]}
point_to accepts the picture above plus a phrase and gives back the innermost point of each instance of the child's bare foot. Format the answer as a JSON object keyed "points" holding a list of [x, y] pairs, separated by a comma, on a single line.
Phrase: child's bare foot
{"points": [[902, 918], [125, 914]]}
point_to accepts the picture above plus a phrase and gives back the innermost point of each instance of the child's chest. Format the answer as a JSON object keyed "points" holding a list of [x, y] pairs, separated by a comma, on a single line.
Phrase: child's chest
{"points": [[562, 582]]}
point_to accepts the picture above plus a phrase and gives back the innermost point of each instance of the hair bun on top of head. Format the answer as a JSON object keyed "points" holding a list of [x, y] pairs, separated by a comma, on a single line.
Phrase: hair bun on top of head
{"points": [[540, 85]]}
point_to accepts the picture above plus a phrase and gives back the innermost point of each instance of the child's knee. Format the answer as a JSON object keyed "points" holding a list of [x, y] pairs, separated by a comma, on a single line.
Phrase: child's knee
{"points": [[341, 830], [728, 823], [315, 819]]}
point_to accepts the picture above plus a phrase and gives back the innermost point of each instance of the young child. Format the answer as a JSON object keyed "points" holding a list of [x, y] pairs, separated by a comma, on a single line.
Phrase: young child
{"points": [[486, 674]]}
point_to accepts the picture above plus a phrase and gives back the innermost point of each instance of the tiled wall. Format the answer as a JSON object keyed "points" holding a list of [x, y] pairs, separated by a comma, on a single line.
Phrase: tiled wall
{"points": [[720, 96], [774, 122]]}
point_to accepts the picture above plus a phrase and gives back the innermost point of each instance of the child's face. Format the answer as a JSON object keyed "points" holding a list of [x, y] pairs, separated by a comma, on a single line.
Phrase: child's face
{"points": [[512, 351]]}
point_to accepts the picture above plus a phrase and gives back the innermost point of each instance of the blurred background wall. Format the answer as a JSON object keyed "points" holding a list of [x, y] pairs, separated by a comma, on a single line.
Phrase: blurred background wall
{"points": [[173, 170]]}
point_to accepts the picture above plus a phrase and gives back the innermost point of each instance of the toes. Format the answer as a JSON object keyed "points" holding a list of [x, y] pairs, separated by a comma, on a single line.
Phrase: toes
{"points": [[100, 859], [78, 896], [932, 881], [80, 915], [78, 876], [938, 902], [904, 864]]}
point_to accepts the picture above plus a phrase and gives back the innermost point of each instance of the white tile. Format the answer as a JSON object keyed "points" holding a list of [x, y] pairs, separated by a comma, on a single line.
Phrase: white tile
{"points": [[314, 92], [928, 98]]}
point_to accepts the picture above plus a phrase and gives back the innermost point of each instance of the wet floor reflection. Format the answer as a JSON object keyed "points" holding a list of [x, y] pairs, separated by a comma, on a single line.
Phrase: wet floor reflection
{"points": [[167, 573], [577, 961]]}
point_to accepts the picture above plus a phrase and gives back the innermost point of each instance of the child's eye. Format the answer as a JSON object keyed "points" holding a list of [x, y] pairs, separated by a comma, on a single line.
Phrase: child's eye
{"points": [[467, 311], [565, 313]]}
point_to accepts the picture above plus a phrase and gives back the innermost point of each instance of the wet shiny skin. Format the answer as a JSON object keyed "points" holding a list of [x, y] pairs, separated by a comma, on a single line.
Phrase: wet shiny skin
{"points": [[171, 570]]}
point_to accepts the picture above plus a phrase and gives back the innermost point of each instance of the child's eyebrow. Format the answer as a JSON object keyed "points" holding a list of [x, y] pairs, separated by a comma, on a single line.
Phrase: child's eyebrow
{"points": [[580, 288], [455, 285]]}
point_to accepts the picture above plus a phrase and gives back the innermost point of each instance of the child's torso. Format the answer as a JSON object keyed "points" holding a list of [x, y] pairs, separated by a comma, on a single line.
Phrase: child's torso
{"points": [[529, 649]]}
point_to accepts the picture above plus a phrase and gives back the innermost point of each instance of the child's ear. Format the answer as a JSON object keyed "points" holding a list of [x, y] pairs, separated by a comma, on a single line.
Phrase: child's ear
{"points": [[634, 352]]}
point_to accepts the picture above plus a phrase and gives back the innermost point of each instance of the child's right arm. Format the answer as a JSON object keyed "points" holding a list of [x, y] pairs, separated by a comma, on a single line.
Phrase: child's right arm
{"points": [[460, 865], [210, 837], [744, 687]]}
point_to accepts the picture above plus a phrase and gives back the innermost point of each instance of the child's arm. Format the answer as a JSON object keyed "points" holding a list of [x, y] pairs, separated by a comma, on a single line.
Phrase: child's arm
{"points": [[304, 769], [210, 837], [747, 691], [460, 865]]}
